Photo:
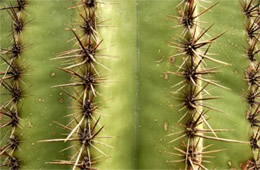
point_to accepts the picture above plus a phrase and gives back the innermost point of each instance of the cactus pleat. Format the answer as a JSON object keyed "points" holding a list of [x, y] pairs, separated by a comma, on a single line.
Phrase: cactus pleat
{"points": [[230, 48], [120, 42], [41, 103], [88, 72], [40, 57], [195, 50], [251, 12], [95, 84], [12, 85], [161, 120]]}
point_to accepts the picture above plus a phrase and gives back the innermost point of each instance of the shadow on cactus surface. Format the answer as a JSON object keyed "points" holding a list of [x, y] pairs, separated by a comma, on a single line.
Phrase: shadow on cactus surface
{"points": [[129, 84]]}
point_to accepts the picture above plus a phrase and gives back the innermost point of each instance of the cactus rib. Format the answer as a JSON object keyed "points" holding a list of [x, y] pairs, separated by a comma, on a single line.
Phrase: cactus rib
{"points": [[11, 82], [250, 9], [195, 95], [84, 68]]}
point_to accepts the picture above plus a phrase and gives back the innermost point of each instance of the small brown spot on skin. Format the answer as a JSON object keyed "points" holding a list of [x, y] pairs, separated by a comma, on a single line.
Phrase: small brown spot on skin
{"points": [[165, 126], [171, 60]]}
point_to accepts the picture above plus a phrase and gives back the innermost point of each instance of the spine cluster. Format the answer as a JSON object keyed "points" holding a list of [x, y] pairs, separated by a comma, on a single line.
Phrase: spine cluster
{"points": [[193, 46], [84, 65], [11, 87], [252, 13]]}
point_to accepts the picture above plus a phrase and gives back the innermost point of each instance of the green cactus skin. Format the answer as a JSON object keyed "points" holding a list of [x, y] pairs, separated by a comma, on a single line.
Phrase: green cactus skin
{"points": [[141, 109], [120, 40], [230, 47]]}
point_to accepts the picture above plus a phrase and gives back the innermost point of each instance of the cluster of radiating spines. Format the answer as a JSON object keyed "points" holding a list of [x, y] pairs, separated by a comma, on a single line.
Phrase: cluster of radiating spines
{"points": [[251, 10], [10, 85], [83, 64], [193, 46]]}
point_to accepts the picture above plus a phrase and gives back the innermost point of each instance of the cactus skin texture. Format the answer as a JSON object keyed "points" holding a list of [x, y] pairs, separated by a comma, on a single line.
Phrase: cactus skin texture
{"points": [[137, 109]]}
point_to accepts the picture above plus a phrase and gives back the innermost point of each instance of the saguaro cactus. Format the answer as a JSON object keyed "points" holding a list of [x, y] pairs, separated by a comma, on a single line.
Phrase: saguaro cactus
{"points": [[129, 84]]}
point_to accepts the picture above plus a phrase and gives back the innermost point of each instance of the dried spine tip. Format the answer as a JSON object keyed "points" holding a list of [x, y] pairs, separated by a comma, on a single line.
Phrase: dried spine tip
{"points": [[251, 10], [10, 81], [197, 78], [86, 78]]}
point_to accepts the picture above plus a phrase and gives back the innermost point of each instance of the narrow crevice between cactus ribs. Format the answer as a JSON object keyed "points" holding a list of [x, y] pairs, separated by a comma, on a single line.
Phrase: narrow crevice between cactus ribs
{"points": [[83, 64], [192, 91], [251, 11], [11, 86]]}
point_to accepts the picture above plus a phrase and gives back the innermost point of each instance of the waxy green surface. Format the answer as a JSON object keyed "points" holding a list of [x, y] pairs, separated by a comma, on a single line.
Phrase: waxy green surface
{"points": [[140, 107]]}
